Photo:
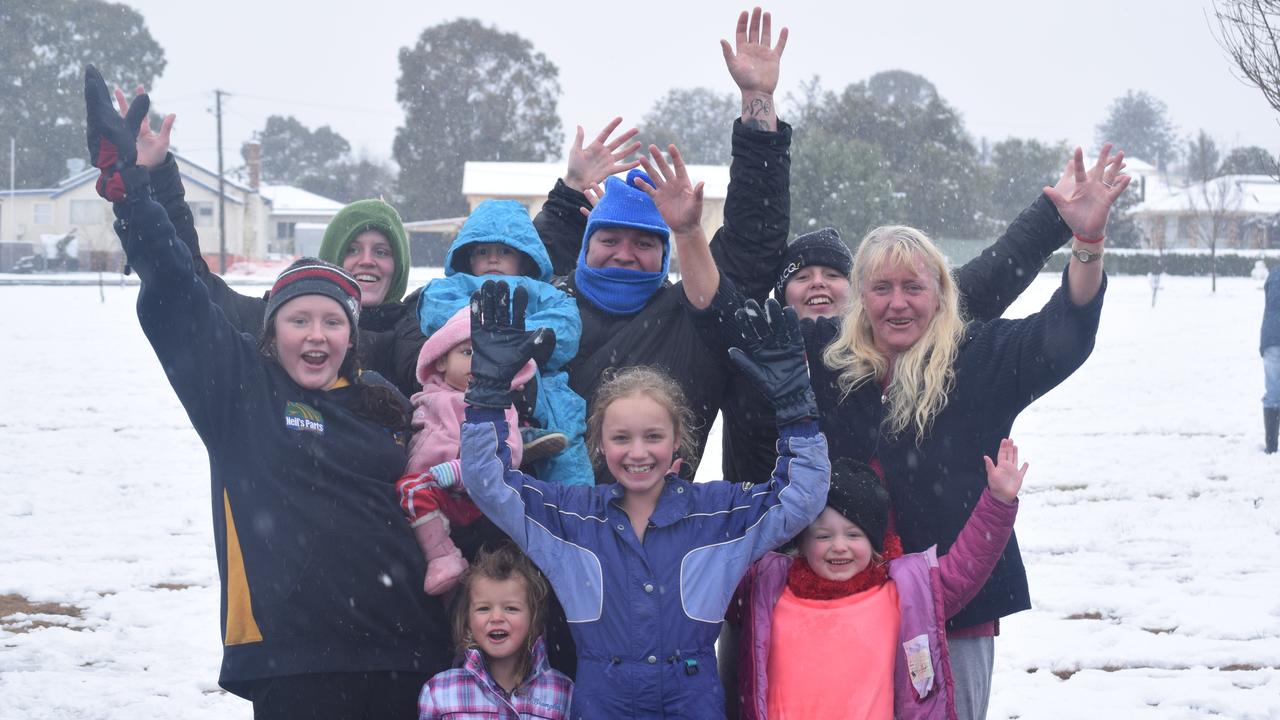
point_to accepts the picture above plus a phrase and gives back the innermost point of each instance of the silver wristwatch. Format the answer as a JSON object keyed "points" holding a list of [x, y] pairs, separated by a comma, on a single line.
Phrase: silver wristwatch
{"points": [[1085, 256]]}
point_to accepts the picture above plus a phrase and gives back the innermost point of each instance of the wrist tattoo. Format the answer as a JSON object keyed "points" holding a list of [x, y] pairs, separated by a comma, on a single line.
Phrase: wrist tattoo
{"points": [[758, 114]]}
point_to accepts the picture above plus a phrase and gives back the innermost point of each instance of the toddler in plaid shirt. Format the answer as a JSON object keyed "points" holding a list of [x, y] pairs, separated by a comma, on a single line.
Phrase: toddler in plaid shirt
{"points": [[497, 623]]}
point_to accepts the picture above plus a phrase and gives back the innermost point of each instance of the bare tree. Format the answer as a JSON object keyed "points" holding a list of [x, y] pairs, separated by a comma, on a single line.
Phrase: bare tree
{"points": [[1247, 30], [1214, 206]]}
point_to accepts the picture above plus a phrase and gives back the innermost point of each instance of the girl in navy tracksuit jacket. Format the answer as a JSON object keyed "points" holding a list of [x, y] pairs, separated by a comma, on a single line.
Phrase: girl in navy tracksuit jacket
{"points": [[645, 567]]}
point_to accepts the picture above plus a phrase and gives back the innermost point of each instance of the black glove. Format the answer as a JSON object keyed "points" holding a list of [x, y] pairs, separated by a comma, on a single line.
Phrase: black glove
{"points": [[112, 139], [499, 344], [774, 360]]}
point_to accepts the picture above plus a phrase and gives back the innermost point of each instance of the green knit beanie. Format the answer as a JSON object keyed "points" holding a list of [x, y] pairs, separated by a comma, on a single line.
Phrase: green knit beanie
{"points": [[369, 215]]}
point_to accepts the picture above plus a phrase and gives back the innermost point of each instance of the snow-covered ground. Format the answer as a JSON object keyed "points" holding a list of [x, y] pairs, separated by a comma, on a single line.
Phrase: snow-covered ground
{"points": [[1150, 523]]}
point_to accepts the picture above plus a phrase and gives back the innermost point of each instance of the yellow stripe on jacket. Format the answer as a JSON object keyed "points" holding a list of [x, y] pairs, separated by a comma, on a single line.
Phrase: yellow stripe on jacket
{"points": [[242, 628]]}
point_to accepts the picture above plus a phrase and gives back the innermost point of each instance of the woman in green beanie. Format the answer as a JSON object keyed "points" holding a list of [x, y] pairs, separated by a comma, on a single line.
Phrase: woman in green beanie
{"points": [[367, 239]]}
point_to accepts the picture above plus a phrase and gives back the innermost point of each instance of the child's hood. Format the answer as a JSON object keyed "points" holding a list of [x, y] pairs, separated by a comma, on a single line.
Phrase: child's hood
{"points": [[500, 221], [457, 330]]}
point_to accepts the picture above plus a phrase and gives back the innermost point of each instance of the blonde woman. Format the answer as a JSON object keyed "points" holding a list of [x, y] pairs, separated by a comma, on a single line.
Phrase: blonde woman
{"points": [[908, 386]]}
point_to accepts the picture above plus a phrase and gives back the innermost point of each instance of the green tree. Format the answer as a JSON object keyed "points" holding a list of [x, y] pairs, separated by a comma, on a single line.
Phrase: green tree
{"points": [[320, 161], [843, 183], [1139, 124], [1251, 160], [1018, 170], [354, 179], [920, 145], [696, 120], [43, 48], [470, 92], [292, 153], [1202, 158]]}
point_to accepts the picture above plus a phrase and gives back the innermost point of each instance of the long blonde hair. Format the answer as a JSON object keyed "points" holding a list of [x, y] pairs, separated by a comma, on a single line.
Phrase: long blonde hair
{"points": [[924, 374]]}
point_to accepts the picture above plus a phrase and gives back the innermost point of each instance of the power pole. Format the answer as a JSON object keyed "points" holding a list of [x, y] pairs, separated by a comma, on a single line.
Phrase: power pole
{"points": [[222, 196], [13, 165]]}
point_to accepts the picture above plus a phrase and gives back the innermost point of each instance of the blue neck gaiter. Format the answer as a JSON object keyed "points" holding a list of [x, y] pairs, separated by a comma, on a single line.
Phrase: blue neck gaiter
{"points": [[617, 291]]}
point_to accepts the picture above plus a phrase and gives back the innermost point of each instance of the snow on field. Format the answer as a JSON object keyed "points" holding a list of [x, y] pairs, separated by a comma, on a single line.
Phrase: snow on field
{"points": [[1149, 524]]}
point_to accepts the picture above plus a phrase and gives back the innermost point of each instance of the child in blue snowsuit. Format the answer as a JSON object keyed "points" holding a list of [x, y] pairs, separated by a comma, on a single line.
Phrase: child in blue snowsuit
{"points": [[644, 568], [499, 239]]}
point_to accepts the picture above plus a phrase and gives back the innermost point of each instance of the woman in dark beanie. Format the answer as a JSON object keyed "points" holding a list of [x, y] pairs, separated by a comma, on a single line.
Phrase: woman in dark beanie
{"points": [[814, 278], [322, 610]]}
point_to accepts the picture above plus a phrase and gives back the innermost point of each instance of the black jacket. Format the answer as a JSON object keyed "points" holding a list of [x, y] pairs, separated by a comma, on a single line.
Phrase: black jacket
{"points": [[1002, 366], [665, 333], [988, 284], [389, 334], [319, 569]]}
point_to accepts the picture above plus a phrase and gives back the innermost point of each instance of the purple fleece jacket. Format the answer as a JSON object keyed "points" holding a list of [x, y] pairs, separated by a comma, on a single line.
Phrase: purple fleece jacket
{"points": [[930, 590]]}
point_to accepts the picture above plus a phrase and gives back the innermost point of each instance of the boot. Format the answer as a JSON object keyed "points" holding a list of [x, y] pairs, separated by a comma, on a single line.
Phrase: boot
{"points": [[1271, 422], [445, 563], [540, 443]]}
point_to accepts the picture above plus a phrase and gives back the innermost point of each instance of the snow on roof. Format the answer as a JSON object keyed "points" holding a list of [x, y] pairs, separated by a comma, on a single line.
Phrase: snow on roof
{"points": [[290, 200], [531, 179], [1235, 194]]}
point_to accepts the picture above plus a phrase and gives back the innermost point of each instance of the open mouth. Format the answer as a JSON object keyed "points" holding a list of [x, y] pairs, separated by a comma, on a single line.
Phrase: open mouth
{"points": [[638, 469], [899, 322], [840, 563], [498, 636], [315, 358], [818, 300], [367, 278]]}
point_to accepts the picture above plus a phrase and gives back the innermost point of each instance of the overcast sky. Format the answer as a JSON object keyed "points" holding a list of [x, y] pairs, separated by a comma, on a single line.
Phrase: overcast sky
{"points": [[1046, 70]]}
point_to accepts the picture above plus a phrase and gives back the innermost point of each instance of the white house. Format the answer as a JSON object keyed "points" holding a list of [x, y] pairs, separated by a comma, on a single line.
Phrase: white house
{"points": [[1236, 211], [529, 183], [255, 218]]}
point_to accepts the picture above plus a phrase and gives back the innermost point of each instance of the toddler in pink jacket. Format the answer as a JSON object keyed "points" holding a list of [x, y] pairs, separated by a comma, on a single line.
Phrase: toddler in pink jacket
{"points": [[444, 369]]}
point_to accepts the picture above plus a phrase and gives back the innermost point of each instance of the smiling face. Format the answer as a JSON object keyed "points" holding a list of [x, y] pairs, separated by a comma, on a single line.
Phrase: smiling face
{"points": [[623, 247], [818, 291], [370, 259], [638, 441], [455, 366], [312, 337], [499, 616], [835, 548], [900, 300], [493, 258]]}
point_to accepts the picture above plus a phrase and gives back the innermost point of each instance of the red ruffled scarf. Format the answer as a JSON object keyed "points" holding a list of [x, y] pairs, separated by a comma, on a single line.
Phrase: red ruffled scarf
{"points": [[807, 584]]}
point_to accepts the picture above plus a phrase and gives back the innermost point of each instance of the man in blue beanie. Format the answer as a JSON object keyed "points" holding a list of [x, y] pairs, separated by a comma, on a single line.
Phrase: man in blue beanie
{"points": [[615, 262]]}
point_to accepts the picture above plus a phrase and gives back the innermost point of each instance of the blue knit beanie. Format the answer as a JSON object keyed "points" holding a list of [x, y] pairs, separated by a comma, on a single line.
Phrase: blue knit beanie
{"points": [[625, 205], [623, 291]]}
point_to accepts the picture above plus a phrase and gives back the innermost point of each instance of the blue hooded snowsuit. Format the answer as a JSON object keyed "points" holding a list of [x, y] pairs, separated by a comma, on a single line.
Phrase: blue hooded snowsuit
{"points": [[557, 406], [645, 615]]}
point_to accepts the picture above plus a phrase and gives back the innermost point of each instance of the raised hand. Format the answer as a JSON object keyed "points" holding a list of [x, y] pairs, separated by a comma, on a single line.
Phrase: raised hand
{"points": [[774, 360], [593, 193], [1004, 477], [500, 345], [111, 138], [753, 60], [152, 146], [591, 164], [678, 200], [1084, 198]]}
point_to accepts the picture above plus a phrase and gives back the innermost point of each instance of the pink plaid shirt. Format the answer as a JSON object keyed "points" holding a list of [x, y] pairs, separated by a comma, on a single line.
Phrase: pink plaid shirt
{"points": [[469, 691]]}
